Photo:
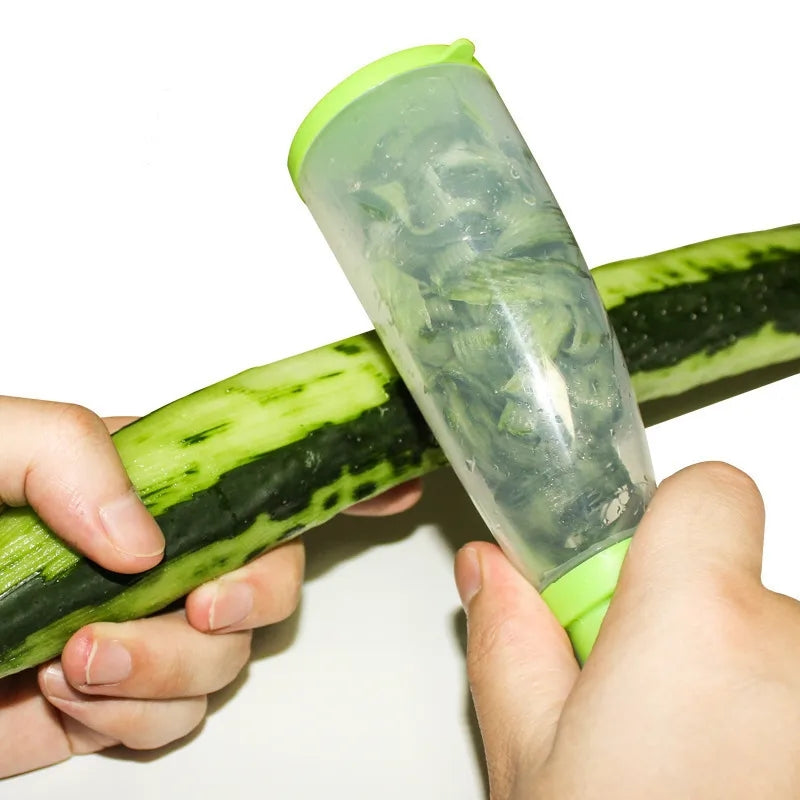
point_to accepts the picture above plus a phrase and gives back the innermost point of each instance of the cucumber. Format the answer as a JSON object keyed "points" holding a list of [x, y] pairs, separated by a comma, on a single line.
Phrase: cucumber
{"points": [[697, 314], [241, 466], [228, 472]]}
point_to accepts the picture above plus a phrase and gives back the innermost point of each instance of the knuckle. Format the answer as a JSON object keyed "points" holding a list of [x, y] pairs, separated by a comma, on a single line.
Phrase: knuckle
{"points": [[726, 480], [168, 672], [234, 659], [279, 587], [69, 428], [146, 729], [136, 726], [178, 674], [730, 479], [296, 574], [293, 586], [83, 740], [291, 561], [719, 481], [720, 612], [285, 602], [191, 667], [730, 617], [78, 422], [737, 492], [197, 713], [732, 599]]}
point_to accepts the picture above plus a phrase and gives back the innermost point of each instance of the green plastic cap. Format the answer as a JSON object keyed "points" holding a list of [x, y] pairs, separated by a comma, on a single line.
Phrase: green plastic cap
{"points": [[461, 51], [581, 598]]}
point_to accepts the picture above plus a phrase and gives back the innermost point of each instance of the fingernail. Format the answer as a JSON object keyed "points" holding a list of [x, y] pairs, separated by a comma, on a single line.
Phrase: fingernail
{"points": [[108, 662], [57, 688], [468, 575], [229, 605], [130, 528]]}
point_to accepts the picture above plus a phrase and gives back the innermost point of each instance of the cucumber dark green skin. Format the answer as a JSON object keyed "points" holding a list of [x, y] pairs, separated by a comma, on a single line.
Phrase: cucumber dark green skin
{"points": [[701, 313], [237, 468]]}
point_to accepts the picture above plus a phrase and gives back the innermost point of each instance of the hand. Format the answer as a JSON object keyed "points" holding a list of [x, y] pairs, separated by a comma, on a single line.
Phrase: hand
{"points": [[143, 683], [693, 687]]}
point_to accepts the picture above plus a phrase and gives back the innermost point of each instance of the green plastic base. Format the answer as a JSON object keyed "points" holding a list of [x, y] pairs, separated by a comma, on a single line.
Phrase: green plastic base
{"points": [[581, 598]]}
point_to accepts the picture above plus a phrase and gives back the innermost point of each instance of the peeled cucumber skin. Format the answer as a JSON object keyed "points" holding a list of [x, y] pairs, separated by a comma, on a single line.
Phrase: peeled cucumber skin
{"points": [[180, 455]]}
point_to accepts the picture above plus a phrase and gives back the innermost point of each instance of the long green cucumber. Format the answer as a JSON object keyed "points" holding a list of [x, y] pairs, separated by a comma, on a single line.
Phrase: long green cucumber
{"points": [[708, 311], [241, 466]]}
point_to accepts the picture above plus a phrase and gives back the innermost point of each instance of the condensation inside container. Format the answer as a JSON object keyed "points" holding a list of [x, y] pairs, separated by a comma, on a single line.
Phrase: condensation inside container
{"points": [[458, 251]]}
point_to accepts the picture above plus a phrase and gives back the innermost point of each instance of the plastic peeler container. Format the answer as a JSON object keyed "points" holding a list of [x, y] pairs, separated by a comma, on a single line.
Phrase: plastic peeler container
{"points": [[432, 203]]}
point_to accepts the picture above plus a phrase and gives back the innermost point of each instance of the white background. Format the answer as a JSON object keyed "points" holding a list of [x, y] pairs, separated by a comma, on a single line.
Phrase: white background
{"points": [[151, 242]]}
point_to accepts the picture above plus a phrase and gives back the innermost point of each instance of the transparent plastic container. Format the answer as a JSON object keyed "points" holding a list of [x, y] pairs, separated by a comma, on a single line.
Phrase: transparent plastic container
{"points": [[436, 210]]}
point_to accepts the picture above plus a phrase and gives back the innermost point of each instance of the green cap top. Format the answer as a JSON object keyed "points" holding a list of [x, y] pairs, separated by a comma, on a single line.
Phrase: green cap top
{"points": [[581, 598], [460, 52]]}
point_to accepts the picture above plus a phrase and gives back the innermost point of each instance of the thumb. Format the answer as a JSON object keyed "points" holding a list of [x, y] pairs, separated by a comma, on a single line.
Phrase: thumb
{"points": [[59, 459], [519, 660]]}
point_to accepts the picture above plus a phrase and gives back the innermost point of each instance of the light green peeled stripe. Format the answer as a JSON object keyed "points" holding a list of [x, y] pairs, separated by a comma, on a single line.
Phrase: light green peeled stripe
{"points": [[333, 385], [693, 263], [761, 349]]}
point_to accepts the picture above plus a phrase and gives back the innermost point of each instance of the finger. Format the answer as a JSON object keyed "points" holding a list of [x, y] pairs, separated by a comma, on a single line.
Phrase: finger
{"points": [[265, 591], [693, 564], [80, 738], [704, 525], [399, 498], [158, 658], [30, 728], [139, 724], [59, 459], [519, 660]]}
